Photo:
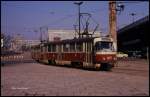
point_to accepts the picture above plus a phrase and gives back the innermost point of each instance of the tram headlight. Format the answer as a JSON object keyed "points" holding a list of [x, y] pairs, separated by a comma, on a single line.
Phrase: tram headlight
{"points": [[115, 58], [109, 58], [104, 58]]}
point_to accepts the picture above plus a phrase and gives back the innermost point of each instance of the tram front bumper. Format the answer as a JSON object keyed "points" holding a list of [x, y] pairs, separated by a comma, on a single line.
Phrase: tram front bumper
{"points": [[105, 58]]}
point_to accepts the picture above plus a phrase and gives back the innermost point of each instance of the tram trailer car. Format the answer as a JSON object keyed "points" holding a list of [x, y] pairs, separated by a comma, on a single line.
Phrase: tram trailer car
{"points": [[92, 52]]}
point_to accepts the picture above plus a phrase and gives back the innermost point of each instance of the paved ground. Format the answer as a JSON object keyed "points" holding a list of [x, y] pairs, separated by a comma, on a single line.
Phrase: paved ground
{"points": [[130, 78]]}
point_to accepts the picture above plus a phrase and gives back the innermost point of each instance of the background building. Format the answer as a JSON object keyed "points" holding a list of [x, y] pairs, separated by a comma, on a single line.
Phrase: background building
{"points": [[65, 34], [133, 39], [18, 43]]}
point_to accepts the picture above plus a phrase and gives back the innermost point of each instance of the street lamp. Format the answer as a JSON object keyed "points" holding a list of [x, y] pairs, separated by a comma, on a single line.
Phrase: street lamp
{"points": [[133, 14], [79, 3]]}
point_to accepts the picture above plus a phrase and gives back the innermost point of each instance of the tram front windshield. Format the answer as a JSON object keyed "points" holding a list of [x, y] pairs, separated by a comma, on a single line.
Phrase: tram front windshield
{"points": [[103, 46]]}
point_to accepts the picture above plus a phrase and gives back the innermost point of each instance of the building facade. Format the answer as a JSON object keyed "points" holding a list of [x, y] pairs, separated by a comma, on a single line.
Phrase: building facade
{"points": [[66, 34], [18, 43]]}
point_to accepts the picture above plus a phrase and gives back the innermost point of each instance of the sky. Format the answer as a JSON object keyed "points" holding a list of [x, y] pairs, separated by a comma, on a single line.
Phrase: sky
{"points": [[27, 17]]}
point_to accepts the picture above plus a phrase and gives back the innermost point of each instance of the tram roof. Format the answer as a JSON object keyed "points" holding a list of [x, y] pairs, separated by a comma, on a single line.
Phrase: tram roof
{"points": [[77, 40]]}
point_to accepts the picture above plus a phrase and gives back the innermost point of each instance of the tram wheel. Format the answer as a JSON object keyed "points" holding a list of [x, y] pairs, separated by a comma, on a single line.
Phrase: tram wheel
{"points": [[51, 62], [106, 67], [77, 64], [37, 60]]}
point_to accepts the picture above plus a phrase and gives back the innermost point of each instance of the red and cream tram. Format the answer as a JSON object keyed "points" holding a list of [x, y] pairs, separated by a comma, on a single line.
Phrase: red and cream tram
{"points": [[92, 52]]}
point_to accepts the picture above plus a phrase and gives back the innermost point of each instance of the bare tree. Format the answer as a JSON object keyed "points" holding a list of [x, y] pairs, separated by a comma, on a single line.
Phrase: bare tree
{"points": [[6, 41]]}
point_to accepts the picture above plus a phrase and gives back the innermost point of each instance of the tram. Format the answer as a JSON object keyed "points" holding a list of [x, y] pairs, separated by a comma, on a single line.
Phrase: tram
{"points": [[89, 52]]}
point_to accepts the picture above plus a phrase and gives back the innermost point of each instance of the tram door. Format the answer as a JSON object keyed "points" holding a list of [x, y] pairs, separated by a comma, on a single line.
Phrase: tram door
{"points": [[88, 51], [59, 51]]}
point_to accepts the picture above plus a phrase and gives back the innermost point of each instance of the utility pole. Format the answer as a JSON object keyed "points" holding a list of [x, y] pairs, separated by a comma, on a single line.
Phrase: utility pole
{"points": [[147, 51], [41, 34], [79, 3], [112, 22]]}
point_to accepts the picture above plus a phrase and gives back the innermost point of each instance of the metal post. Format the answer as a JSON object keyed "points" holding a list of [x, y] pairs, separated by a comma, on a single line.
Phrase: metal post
{"points": [[147, 55], [41, 34], [112, 22], [79, 21], [79, 15]]}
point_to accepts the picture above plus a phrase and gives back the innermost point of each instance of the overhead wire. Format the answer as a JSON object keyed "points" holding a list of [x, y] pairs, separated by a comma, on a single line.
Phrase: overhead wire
{"points": [[61, 20]]}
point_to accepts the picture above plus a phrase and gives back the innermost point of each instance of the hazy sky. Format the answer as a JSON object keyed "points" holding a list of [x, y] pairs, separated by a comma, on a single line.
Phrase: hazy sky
{"points": [[24, 17]]}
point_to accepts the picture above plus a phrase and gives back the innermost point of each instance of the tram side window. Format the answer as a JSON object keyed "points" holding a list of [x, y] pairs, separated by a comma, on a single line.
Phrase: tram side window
{"points": [[79, 47], [46, 49], [72, 47], [65, 47], [53, 48], [49, 48], [40, 49], [59, 48], [43, 49], [89, 47], [37, 49]]}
